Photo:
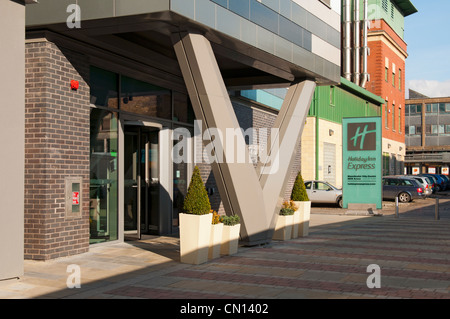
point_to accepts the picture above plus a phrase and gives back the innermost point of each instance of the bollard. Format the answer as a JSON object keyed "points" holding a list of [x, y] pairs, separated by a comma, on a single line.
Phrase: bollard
{"points": [[436, 210], [396, 207]]}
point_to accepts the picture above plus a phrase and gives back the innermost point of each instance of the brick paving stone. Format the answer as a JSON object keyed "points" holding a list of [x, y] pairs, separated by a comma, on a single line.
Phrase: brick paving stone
{"points": [[331, 262]]}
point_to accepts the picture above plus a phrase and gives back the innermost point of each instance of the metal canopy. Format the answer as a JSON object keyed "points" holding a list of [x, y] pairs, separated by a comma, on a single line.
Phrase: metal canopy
{"points": [[405, 6]]}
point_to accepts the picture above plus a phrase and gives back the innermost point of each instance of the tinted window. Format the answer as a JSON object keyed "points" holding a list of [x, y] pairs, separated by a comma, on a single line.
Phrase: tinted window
{"points": [[103, 86], [405, 182], [308, 185]]}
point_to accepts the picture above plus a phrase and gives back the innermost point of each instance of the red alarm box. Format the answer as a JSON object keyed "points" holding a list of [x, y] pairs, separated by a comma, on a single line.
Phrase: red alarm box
{"points": [[74, 85]]}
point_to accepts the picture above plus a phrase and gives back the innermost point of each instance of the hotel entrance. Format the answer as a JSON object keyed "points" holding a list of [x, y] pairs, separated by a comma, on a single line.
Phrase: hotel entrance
{"points": [[141, 181]]}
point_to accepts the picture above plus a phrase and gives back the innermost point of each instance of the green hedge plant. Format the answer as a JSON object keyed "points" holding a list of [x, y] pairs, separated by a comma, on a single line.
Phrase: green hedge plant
{"points": [[230, 220], [299, 190], [196, 201], [287, 211]]}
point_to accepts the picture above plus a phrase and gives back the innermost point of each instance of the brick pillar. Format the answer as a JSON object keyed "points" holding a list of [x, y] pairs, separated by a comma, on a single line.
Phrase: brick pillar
{"points": [[56, 148]]}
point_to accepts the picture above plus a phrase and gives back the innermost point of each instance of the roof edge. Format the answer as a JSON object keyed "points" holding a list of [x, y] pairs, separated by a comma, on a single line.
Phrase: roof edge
{"points": [[361, 91]]}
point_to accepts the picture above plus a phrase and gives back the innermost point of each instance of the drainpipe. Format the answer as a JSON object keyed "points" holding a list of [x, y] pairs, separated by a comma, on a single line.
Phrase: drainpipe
{"points": [[365, 74], [357, 43], [347, 40], [317, 135]]}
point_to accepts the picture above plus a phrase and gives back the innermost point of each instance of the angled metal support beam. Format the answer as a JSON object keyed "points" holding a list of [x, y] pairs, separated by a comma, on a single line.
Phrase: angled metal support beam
{"points": [[242, 188], [289, 126]]}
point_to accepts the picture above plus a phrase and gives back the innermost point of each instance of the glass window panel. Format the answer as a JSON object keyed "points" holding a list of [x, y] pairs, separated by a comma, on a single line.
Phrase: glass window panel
{"points": [[285, 8], [386, 115], [412, 108], [263, 16], [434, 129], [240, 7], [418, 129], [290, 31], [412, 130], [393, 117], [103, 85], [144, 98], [103, 213], [182, 108], [441, 129], [419, 108], [447, 107], [432, 108], [223, 3], [447, 129], [441, 107]]}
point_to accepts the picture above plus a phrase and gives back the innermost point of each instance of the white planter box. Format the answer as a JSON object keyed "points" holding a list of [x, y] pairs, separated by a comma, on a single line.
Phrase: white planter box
{"points": [[305, 211], [295, 223], [283, 227], [215, 241], [195, 236], [230, 239]]}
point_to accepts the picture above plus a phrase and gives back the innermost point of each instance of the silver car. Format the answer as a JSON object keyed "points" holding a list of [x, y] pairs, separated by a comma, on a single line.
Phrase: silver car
{"points": [[323, 192]]}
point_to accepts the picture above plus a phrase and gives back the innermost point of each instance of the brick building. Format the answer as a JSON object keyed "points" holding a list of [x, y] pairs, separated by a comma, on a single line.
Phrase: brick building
{"points": [[386, 66], [105, 87]]}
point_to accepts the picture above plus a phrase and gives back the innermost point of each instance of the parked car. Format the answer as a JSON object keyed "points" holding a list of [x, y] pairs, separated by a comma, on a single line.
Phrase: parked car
{"points": [[406, 189], [440, 184], [431, 181], [446, 180], [323, 192], [423, 182]]}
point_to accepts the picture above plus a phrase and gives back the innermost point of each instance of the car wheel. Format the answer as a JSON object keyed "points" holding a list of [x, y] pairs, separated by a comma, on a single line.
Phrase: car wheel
{"points": [[340, 202], [404, 197]]}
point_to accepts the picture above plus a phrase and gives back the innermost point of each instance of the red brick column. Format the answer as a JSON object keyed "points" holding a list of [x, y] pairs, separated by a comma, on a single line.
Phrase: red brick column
{"points": [[56, 147]]}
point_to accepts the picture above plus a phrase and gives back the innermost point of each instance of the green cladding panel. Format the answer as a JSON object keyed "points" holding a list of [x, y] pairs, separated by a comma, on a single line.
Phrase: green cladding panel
{"points": [[333, 103]]}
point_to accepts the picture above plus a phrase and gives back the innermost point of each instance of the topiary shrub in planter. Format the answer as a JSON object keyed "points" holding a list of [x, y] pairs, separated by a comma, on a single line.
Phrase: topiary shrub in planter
{"points": [[216, 236], [230, 235], [300, 198], [285, 221], [195, 222]]}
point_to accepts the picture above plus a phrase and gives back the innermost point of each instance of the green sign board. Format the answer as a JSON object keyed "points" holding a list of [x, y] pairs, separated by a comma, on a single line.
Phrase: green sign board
{"points": [[362, 161]]}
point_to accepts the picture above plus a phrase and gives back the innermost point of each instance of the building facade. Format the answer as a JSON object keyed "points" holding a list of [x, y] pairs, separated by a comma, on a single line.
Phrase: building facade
{"points": [[108, 86], [322, 138], [427, 134], [387, 53]]}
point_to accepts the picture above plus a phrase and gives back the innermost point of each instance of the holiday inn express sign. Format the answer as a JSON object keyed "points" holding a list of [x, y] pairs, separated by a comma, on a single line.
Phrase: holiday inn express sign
{"points": [[362, 165]]}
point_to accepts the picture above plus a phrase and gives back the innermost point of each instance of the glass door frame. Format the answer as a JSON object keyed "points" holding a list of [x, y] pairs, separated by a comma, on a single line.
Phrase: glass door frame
{"points": [[131, 121]]}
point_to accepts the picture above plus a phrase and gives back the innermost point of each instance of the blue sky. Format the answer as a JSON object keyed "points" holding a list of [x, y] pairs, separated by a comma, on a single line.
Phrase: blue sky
{"points": [[428, 39]]}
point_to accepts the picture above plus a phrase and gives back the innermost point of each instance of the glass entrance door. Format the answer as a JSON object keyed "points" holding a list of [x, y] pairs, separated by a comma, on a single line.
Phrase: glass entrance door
{"points": [[141, 181]]}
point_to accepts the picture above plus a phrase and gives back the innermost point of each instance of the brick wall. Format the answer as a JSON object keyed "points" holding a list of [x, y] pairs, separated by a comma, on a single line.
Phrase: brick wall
{"points": [[56, 147], [382, 47]]}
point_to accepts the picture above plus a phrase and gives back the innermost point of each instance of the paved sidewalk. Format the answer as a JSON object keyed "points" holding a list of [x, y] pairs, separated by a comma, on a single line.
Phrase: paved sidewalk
{"points": [[413, 254]]}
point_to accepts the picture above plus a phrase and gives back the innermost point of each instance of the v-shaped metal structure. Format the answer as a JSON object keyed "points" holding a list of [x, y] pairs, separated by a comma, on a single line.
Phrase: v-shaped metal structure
{"points": [[255, 195]]}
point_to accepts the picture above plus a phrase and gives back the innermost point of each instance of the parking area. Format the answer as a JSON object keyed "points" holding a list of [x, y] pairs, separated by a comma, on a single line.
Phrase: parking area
{"points": [[418, 208]]}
